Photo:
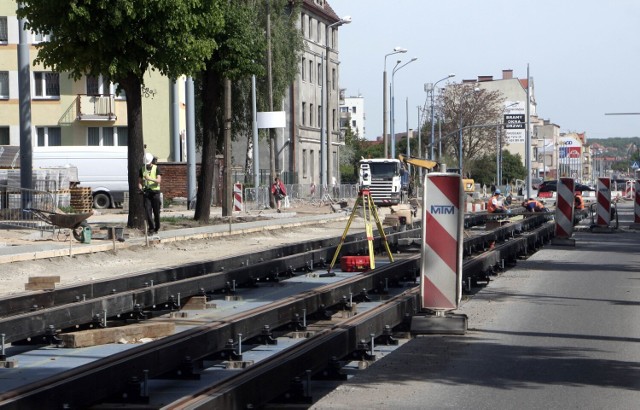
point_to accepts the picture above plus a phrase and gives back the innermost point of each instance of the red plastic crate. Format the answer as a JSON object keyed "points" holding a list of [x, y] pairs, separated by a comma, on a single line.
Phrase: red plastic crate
{"points": [[355, 263]]}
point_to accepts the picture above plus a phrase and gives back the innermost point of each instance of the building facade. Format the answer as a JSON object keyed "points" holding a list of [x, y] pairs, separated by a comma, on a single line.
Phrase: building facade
{"points": [[67, 112], [352, 113], [311, 139]]}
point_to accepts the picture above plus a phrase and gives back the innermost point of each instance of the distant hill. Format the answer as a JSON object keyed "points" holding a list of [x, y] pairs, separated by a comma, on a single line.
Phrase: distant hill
{"points": [[617, 144]]}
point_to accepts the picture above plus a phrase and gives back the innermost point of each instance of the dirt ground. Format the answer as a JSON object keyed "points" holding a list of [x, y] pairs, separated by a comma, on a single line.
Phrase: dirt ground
{"points": [[89, 267]]}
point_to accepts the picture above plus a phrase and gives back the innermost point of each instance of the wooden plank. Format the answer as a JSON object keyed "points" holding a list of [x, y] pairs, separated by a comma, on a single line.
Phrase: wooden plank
{"points": [[130, 334]]}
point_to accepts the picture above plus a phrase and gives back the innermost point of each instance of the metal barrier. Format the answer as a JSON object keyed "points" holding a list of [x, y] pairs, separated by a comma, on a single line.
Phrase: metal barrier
{"points": [[15, 202], [299, 195]]}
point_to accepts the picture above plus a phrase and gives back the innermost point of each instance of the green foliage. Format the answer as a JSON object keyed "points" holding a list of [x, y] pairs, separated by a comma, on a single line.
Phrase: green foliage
{"points": [[483, 170], [286, 50], [118, 38], [512, 167]]}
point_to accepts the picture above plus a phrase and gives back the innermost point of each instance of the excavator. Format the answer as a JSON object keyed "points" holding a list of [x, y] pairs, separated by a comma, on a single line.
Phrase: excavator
{"points": [[468, 184]]}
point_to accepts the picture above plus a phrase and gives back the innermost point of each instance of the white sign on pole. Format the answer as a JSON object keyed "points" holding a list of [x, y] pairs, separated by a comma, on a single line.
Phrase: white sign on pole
{"points": [[514, 110], [271, 119]]}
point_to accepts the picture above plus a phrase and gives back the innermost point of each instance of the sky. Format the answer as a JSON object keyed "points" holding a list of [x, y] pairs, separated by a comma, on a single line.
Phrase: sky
{"points": [[583, 55]]}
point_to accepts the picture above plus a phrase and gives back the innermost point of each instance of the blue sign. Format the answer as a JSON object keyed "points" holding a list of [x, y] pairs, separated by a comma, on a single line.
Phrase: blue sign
{"points": [[635, 165], [442, 209]]}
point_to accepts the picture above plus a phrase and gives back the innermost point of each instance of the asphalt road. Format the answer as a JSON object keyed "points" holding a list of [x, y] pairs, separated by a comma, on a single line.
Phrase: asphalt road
{"points": [[559, 331]]}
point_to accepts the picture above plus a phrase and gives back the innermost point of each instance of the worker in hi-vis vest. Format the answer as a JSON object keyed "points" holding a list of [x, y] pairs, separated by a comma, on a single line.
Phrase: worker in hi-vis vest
{"points": [[495, 204], [149, 184]]}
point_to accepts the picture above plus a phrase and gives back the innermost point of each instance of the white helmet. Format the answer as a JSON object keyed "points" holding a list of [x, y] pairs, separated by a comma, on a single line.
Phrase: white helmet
{"points": [[148, 158]]}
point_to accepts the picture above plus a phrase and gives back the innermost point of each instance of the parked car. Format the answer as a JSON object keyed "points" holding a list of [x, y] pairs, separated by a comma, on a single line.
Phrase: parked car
{"points": [[552, 186]]}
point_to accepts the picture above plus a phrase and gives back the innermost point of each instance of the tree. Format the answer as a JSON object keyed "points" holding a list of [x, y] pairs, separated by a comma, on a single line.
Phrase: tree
{"points": [[242, 53], [512, 167], [121, 40], [241, 46], [483, 169], [478, 113]]}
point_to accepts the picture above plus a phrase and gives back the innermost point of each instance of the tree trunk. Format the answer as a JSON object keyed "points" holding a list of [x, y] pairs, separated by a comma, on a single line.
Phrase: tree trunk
{"points": [[211, 92], [135, 152]]}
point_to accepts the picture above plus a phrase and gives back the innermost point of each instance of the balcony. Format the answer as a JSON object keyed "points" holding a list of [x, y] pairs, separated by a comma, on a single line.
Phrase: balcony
{"points": [[95, 108]]}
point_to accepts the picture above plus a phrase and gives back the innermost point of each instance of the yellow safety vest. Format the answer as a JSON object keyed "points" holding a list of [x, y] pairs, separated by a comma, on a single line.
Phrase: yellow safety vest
{"points": [[154, 186]]}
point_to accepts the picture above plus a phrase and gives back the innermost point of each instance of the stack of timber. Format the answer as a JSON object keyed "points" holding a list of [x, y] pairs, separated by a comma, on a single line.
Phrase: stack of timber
{"points": [[81, 199]]}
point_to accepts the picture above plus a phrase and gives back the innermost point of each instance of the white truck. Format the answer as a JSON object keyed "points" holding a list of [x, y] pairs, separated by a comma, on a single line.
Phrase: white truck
{"points": [[384, 180], [104, 169]]}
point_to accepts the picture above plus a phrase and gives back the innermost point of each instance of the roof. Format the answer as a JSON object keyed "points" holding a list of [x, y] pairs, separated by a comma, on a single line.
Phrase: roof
{"points": [[323, 10]]}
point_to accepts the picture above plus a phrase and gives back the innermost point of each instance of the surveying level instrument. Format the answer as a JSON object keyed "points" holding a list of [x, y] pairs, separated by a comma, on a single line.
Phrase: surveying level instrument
{"points": [[369, 212]]}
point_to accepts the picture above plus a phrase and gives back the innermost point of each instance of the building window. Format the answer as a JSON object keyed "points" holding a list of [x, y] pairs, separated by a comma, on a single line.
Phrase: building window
{"points": [[4, 31], [123, 136], [41, 37], [310, 72], [311, 115], [320, 74], [303, 72], [320, 115], [47, 84], [4, 136], [319, 32], [333, 118], [333, 78], [353, 109], [4, 84], [305, 163], [312, 165], [100, 86], [312, 23], [107, 136], [303, 26], [304, 113], [49, 136]]}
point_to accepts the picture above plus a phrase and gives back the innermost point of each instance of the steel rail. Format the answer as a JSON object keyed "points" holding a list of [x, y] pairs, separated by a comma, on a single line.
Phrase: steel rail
{"points": [[80, 387]]}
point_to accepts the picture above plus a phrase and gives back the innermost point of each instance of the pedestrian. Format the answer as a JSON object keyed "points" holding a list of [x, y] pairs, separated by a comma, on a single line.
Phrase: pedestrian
{"points": [[149, 183], [334, 185], [495, 205], [278, 191], [579, 201]]}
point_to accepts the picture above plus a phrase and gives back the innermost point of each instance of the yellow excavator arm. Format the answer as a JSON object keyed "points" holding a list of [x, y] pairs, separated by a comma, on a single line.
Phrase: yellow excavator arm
{"points": [[469, 184], [418, 162]]}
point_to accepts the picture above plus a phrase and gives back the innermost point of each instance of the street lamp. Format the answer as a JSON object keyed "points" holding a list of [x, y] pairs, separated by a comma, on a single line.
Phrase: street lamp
{"points": [[384, 99], [393, 119], [460, 141], [325, 86], [433, 127]]}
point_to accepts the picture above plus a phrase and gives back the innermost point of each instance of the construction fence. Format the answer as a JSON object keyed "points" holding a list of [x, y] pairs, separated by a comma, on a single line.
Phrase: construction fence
{"points": [[299, 195]]}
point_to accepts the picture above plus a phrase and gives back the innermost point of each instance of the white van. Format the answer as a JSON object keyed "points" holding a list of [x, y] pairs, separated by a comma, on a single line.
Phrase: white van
{"points": [[104, 169]]}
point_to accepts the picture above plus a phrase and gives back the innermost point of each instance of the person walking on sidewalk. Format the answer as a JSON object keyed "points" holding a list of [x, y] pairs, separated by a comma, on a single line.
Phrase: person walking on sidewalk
{"points": [[149, 183], [279, 192]]}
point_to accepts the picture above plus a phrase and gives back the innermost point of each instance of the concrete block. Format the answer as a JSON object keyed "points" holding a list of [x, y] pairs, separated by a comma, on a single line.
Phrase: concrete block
{"points": [[449, 324]]}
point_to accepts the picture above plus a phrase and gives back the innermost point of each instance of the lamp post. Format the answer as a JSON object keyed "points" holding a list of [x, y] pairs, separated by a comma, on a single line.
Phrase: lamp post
{"points": [[460, 141], [393, 119], [433, 127], [384, 99], [327, 101]]}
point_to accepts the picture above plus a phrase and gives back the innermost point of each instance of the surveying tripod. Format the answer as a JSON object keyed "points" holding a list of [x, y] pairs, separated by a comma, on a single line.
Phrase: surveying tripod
{"points": [[368, 211]]}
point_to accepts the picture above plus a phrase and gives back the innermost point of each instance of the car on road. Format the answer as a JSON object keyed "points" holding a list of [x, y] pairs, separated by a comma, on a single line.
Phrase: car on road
{"points": [[552, 186]]}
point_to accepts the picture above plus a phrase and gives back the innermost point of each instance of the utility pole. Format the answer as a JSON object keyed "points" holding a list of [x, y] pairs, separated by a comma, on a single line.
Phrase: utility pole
{"points": [[272, 132], [227, 203]]}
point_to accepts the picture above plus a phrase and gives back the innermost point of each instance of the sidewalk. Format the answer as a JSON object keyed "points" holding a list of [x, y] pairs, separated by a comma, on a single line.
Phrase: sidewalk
{"points": [[48, 248]]}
